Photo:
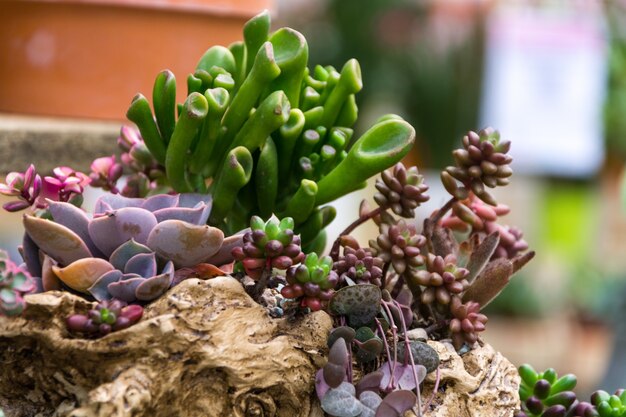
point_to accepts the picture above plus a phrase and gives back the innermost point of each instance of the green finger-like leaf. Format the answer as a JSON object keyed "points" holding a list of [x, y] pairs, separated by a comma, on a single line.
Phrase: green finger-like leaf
{"points": [[238, 50], [235, 174], [255, 33], [301, 205], [217, 56], [292, 54], [195, 110], [349, 112], [217, 99], [379, 148], [266, 178], [139, 113], [289, 134], [164, 102], [349, 83]]}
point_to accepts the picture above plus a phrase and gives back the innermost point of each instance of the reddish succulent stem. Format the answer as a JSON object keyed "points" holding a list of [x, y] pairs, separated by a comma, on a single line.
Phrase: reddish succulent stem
{"points": [[438, 215], [334, 252], [394, 336], [261, 284], [407, 346], [384, 339], [437, 326], [437, 379]]}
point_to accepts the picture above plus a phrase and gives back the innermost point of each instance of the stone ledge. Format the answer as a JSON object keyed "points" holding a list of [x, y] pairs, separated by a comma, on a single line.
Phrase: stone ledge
{"points": [[51, 142]]}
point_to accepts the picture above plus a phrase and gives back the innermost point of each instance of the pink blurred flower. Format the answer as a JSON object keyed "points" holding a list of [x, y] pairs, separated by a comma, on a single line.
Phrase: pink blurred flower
{"points": [[25, 186], [105, 172]]}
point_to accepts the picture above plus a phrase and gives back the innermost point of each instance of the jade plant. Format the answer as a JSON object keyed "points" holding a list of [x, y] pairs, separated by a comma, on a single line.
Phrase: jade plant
{"points": [[260, 131], [544, 394]]}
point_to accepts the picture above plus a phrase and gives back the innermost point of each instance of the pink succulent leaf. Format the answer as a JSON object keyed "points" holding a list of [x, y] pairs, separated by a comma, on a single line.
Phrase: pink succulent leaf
{"points": [[110, 231], [109, 202], [74, 219], [30, 254], [161, 201], [143, 264], [125, 252], [197, 216], [154, 287], [125, 290], [396, 404], [321, 387], [9, 190], [99, 289], [15, 180], [14, 206], [132, 312]]}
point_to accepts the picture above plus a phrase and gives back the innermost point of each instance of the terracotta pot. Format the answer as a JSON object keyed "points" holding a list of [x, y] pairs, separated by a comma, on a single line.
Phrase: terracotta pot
{"points": [[88, 58]]}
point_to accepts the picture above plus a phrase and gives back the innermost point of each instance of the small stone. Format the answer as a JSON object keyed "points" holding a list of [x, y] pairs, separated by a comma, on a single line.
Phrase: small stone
{"points": [[423, 354], [418, 334]]}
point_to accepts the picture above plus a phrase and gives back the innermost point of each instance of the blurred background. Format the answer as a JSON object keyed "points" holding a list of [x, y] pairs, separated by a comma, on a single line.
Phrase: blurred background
{"points": [[549, 74]]}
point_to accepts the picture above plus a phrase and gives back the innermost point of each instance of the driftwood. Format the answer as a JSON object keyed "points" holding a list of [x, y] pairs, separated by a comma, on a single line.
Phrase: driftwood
{"points": [[203, 349]]}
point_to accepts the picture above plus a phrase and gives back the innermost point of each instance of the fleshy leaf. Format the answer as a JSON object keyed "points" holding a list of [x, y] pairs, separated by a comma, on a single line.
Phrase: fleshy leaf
{"points": [[110, 231], [123, 253], [403, 375], [369, 350], [360, 303], [321, 387], [160, 201], [197, 215], [370, 401], [143, 264], [481, 254], [370, 382], [396, 404], [335, 369], [125, 290], [224, 254], [74, 219], [59, 242], [49, 280], [183, 243], [100, 290], [153, 287], [345, 332], [494, 277], [109, 202], [83, 273], [30, 255], [341, 402]]}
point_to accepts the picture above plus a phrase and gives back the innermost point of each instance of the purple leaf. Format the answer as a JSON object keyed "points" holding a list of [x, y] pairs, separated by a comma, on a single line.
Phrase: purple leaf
{"points": [[13, 206], [370, 401], [110, 231], [193, 199], [143, 264], [30, 254], [224, 254], [100, 290], [341, 402], [370, 382], [152, 288], [403, 375], [335, 369], [321, 387], [59, 242], [125, 290], [183, 243], [74, 219], [197, 215], [109, 202], [396, 404], [123, 253], [160, 201]]}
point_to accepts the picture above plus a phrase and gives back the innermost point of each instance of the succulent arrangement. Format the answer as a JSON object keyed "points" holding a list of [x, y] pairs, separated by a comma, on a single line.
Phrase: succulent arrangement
{"points": [[238, 177]]}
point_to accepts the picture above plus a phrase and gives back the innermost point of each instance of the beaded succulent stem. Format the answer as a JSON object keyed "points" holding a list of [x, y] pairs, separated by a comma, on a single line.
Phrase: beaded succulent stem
{"points": [[334, 252], [438, 215]]}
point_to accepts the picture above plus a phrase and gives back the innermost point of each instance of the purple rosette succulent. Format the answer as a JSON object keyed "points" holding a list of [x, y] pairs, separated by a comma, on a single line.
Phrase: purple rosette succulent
{"points": [[15, 282], [128, 249]]}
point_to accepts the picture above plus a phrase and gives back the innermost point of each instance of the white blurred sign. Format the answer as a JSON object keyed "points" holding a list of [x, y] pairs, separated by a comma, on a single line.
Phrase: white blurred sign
{"points": [[544, 87]]}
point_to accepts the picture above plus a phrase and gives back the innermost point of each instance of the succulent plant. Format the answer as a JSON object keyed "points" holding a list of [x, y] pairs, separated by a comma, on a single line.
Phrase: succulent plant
{"points": [[105, 172], [473, 215], [128, 249], [268, 134], [401, 189], [483, 162], [107, 316], [358, 264], [466, 322], [399, 244], [442, 278], [268, 245], [14, 283], [312, 281], [25, 186]]}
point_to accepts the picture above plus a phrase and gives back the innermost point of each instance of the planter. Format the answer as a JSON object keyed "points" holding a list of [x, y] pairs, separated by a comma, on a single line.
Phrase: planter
{"points": [[87, 58], [205, 349]]}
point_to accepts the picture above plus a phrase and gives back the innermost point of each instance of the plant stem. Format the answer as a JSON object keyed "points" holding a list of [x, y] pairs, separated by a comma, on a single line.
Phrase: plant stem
{"points": [[438, 215], [384, 339], [437, 326], [334, 252], [437, 379], [257, 290], [408, 350]]}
